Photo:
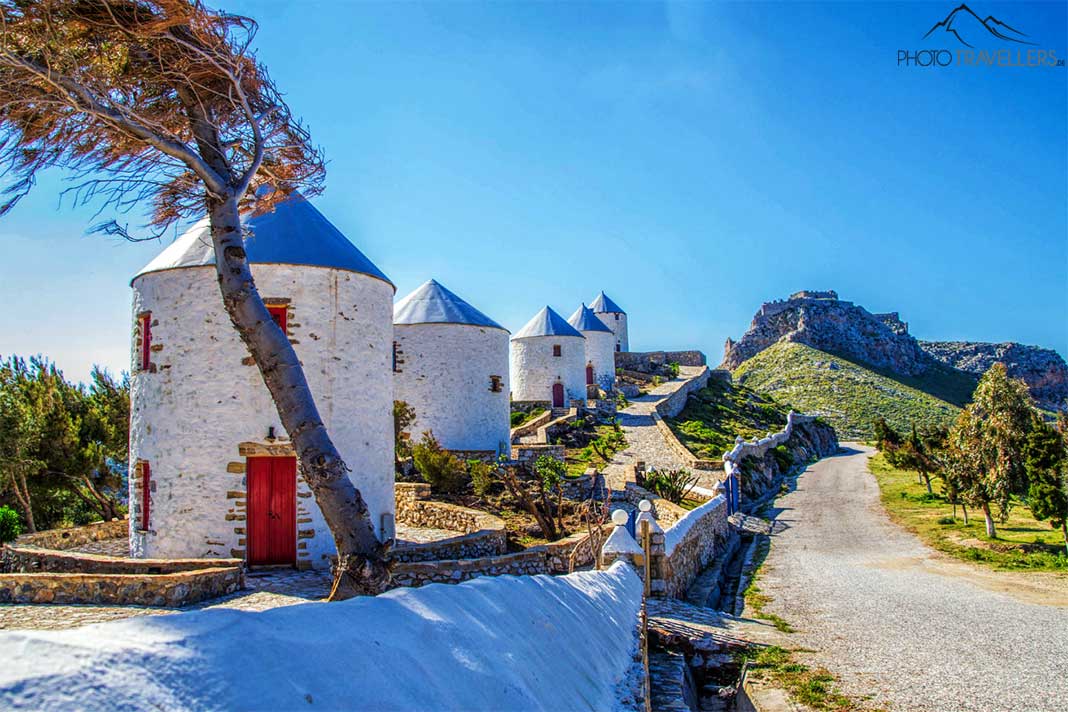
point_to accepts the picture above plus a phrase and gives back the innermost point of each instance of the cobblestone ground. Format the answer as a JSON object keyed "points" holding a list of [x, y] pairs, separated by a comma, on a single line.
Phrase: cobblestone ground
{"points": [[899, 622], [266, 588], [644, 440]]}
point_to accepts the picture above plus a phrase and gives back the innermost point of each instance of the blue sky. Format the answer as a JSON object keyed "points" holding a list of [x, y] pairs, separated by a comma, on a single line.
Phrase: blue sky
{"points": [[692, 159]]}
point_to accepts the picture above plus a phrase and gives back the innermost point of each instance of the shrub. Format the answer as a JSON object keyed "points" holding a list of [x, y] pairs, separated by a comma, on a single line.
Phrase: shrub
{"points": [[783, 458], [672, 485], [481, 476], [443, 470], [10, 526], [403, 417], [673, 369]]}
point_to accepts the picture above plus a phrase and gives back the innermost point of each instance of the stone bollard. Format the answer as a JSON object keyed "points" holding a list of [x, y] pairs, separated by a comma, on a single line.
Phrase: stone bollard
{"points": [[657, 560], [621, 546]]}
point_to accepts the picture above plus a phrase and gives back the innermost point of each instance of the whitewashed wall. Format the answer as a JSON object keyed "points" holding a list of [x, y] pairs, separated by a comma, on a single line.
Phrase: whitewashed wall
{"points": [[618, 327], [600, 351], [444, 374], [205, 397], [535, 369]]}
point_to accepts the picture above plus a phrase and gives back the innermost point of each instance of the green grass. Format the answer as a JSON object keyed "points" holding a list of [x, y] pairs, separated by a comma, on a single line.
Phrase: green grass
{"points": [[579, 459], [846, 394], [518, 417], [716, 414], [755, 599], [1022, 543], [813, 687]]}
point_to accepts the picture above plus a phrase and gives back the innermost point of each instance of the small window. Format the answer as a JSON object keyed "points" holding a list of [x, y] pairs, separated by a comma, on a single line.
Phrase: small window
{"points": [[495, 384], [146, 341], [279, 314], [556, 349], [146, 495], [395, 360], [617, 317], [618, 348]]}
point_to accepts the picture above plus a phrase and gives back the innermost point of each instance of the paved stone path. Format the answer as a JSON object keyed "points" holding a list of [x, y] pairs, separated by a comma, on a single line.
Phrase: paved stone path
{"points": [[900, 622], [644, 440]]}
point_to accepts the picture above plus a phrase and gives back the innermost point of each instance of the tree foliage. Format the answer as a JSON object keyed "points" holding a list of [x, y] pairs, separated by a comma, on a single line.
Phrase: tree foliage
{"points": [[986, 445], [1046, 463], [63, 447]]}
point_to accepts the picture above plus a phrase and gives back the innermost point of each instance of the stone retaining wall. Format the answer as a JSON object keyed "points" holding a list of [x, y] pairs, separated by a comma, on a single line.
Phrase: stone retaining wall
{"points": [[695, 541], [174, 589], [531, 426], [638, 360], [552, 558], [483, 534], [529, 453], [76, 536], [28, 559]]}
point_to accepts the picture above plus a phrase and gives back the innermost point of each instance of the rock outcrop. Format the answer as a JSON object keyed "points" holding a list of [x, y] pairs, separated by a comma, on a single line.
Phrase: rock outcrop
{"points": [[824, 322], [807, 442], [1043, 370]]}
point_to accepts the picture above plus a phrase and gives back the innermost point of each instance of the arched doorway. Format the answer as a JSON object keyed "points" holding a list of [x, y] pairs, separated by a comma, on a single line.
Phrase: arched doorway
{"points": [[558, 395], [589, 374]]}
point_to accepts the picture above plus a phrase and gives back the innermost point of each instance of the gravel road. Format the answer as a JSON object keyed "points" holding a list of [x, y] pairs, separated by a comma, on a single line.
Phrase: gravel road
{"points": [[895, 620]]}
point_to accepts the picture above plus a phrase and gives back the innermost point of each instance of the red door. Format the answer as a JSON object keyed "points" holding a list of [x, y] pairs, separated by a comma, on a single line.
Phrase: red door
{"points": [[558, 395], [589, 375], [272, 510]]}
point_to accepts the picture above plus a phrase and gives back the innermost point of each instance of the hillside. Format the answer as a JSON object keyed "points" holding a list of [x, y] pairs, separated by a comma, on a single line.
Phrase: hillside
{"points": [[846, 394], [1043, 370], [718, 413]]}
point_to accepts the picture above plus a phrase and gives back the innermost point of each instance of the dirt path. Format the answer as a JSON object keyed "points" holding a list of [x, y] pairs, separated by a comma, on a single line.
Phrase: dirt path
{"points": [[901, 623]]}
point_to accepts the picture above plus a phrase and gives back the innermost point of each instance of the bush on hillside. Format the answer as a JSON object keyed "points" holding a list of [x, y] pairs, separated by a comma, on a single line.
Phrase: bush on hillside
{"points": [[439, 467]]}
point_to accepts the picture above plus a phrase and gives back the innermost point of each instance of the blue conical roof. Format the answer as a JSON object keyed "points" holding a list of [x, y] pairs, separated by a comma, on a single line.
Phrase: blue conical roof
{"points": [[293, 233], [603, 305], [433, 304], [585, 320], [547, 323]]}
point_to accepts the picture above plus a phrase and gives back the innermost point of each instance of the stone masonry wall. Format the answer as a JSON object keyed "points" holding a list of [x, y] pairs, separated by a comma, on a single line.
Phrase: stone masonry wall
{"points": [[645, 361], [483, 534], [695, 541], [76, 536], [175, 589]]}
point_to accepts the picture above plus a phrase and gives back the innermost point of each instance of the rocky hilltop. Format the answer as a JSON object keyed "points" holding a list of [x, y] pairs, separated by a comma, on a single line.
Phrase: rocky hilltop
{"points": [[882, 342], [825, 322], [1043, 370]]}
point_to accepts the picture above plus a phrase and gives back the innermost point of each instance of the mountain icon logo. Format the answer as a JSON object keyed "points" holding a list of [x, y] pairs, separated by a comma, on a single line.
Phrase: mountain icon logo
{"points": [[969, 28]]}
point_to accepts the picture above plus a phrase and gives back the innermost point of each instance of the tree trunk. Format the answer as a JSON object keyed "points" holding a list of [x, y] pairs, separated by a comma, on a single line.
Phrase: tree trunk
{"points": [[22, 494], [361, 567], [927, 481], [1064, 530], [990, 531], [964, 508]]}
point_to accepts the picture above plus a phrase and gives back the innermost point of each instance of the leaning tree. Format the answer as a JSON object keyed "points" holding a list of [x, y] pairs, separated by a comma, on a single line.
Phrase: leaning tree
{"points": [[163, 102]]}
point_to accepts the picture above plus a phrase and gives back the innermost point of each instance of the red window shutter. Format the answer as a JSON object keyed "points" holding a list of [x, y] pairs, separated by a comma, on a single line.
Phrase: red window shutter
{"points": [[278, 313], [146, 341], [146, 495]]}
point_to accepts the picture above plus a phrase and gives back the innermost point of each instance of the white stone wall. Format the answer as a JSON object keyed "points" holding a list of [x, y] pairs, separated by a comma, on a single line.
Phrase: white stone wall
{"points": [[444, 374], [535, 369], [600, 351], [618, 327], [203, 397]]}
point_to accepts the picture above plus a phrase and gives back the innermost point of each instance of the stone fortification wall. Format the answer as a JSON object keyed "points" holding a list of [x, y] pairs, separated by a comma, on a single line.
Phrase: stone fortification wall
{"points": [[832, 325], [646, 361]]}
